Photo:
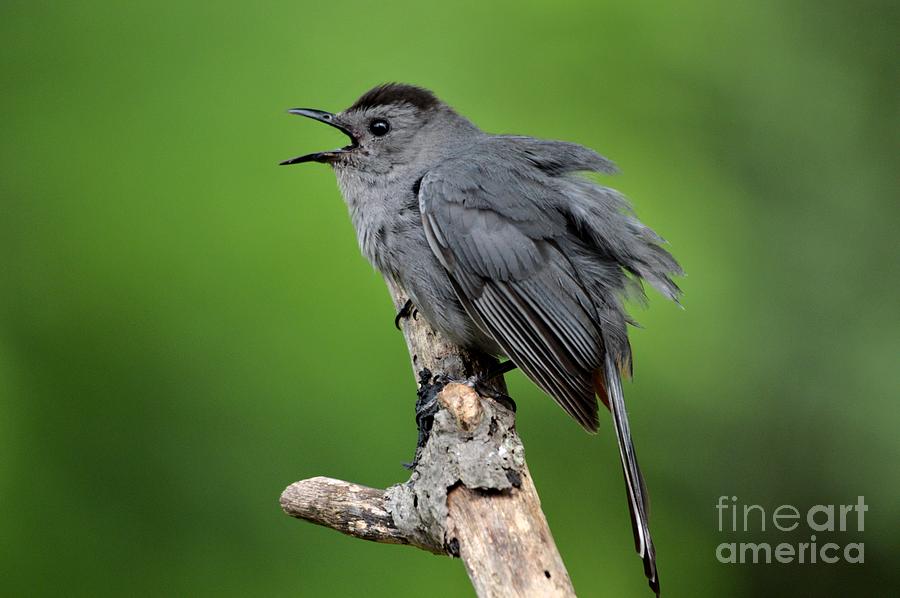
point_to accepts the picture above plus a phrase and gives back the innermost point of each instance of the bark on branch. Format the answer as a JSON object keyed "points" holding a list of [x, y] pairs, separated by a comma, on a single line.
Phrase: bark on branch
{"points": [[470, 494]]}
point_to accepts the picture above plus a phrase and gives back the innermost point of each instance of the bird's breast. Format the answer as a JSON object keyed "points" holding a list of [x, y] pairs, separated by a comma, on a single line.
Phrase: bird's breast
{"points": [[386, 220], [391, 236]]}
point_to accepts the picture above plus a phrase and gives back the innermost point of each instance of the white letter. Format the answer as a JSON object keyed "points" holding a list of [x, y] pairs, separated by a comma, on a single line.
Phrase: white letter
{"points": [[784, 553], [828, 526], [824, 554], [844, 510], [756, 549], [762, 517], [861, 508], [795, 515], [731, 551], [721, 507], [860, 552]]}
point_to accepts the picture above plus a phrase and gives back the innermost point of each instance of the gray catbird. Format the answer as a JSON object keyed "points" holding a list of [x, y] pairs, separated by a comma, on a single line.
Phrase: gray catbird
{"points": [[504, 248]]}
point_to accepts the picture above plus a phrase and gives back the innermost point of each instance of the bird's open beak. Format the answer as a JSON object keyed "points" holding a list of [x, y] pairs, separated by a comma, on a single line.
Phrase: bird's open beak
{"points": [[329, 119]]}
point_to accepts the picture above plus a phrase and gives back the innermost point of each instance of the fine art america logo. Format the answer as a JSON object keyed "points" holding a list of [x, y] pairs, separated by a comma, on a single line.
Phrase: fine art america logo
{"points": [[739, 518]]}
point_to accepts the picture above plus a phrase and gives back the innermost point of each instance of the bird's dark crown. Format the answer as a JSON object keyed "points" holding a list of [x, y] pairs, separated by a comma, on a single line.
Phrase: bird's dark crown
{"points": [[396, 93]]}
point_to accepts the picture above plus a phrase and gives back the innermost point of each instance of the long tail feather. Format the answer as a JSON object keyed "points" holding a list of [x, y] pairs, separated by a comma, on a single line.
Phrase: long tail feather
{"points": [[638, 501]]}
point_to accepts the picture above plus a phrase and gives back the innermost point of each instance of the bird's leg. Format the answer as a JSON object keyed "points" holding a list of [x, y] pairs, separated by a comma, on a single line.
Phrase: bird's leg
{"points": [[499, 370], [406, 311]]}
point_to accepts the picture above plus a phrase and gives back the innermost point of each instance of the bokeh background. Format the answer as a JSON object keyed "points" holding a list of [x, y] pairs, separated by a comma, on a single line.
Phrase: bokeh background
{"points": [[186, 328]]}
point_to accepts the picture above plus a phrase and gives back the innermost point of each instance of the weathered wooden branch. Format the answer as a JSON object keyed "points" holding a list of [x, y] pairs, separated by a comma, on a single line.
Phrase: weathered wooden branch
{"points": [[470, 494]]}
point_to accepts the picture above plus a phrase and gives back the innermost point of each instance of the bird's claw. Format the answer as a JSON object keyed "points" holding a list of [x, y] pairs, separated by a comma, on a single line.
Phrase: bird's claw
{"points": [[406, 311]]}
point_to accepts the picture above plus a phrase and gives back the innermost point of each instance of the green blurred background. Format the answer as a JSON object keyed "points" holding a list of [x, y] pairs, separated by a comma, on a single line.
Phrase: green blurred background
{"points": [[186, 328]]}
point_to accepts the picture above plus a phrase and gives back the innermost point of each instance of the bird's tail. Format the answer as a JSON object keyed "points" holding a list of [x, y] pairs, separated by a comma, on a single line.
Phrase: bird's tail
{"points": [[638, 501]]}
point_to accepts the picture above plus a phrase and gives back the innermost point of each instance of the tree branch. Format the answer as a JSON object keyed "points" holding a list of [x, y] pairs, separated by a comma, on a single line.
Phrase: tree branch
{"points": [[349, 508], [470, 494]]}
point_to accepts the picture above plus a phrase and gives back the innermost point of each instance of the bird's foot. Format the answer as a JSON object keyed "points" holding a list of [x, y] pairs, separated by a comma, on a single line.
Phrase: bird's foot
{"points": [[482, 384], [486, 390], [431, 386], [408, 310]]}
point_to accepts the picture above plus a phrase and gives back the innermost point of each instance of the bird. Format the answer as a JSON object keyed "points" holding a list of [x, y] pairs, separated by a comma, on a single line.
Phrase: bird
{"points": [[506, 246]]}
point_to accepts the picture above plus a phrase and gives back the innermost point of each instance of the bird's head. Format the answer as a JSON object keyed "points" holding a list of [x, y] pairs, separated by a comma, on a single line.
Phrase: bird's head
{"points": [[389, 126]]}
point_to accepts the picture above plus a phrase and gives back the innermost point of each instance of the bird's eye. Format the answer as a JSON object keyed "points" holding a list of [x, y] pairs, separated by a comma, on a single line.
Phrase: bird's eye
{"points": [[379, 127]]}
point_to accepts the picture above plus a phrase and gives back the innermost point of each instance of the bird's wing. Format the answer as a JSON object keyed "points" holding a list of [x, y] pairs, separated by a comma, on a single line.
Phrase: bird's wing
{"points": [[489, 223]]}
